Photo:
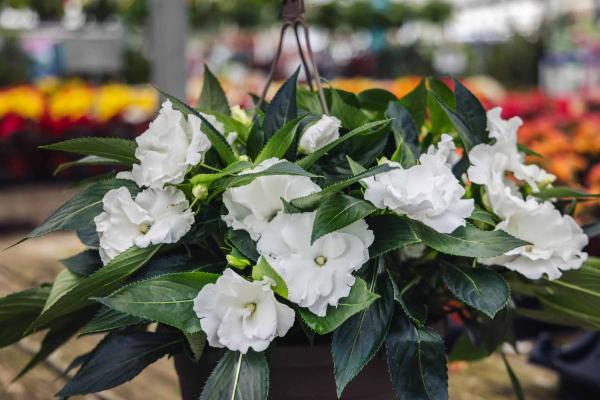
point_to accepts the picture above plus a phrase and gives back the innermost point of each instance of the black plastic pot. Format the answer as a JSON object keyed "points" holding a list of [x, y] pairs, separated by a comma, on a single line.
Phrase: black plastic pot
{"points": [[296, 373]]}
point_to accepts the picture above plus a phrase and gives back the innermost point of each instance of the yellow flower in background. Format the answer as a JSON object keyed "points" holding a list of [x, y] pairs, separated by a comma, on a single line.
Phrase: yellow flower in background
{"points": [[111, 100], [24, 101], [73, 101]]}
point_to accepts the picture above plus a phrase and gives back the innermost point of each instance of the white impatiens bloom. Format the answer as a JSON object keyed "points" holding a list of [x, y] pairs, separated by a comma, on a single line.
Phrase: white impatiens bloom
{"points": [[427, 192], [320, 134], [320, 274], [238, 314], [252, 206], [556, 242], [489, 161], [168, 148], [155, 216]]}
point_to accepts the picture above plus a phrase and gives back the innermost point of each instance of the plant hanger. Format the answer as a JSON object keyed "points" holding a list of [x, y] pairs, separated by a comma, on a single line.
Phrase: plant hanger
{"points": [[292, 15]]}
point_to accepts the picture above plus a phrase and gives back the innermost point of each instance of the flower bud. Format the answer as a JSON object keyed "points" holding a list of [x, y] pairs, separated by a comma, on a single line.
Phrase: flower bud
{"points": [[237, 261], [240, 115], [200, 191]]}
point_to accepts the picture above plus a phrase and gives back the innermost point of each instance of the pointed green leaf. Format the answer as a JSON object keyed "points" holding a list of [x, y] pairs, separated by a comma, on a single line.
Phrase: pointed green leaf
{"points": [[311, 159], [439, 120], [118, 359], [391, 232], [416, 102], [121, 150], [411, 305], [280, 142], [100, 283], [263, 269], [216, 138], [481, 288], [472, 113], [359, 299], [416, 361], [467, 241], [564, 192], [312, 201], [238, 376], [18, 311], [64, 282], [337, 212], [375, 99], [283, 107], [350, 116], [403, 126], [168, 299], [85, 162], [357, 341], [84, 263], [108, 319], [213, 97], [514, 380]]}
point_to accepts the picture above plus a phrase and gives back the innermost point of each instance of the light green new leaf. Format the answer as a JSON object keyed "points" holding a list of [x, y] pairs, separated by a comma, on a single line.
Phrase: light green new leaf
{"points": [[100, 283], [213, 97], [280, 142], [312, 201], [64, 282], [481, 288], [359, 298], [263, 269], [168, 299], [216, 138], [337, 212], [311, 159], [238, 376], [79, 211], [467, 241], [121, 150], [230, 170]]}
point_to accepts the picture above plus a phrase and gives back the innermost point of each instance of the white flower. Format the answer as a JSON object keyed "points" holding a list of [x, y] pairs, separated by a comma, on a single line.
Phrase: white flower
{"points": [[239, 314], [556, 240], [320, 274], [320, 134], [252, 206], [428, 192], [168, 148], [155, 216]]}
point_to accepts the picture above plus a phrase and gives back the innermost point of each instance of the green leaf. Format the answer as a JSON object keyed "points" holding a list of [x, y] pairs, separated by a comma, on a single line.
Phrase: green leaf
{"points": [[337, 212], [283, 108], [404, 128], [242, 241], [311, 159], [217, 140], [526, 150], [86, 161], [168, 299], [280, 142], [196, 343], [108, 319], [121, 150], [118, 359], [256, 137], [281, 168], [263, 269], [416, 361], [309, 101], [84, 263], [471, 112], [564, 192], [212, 97], [312, 201], [468, 139], [391, 232], [467, 241], [64, 282], [416, 103], [359, 298], [592, 230], [375, 99], [79, 211], [230, 170], [481, 288], [464, 350], [100, 283], [350, 116], [514, 380], [56, 337], [357, 341], [404, 155], [412, 307], [238, 376], [18, 311], [355, 167], [484, 217], [439, 120]]}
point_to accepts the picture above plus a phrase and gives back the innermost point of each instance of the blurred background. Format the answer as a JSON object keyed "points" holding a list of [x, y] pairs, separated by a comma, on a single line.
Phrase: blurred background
{"points": [[74, 68]]}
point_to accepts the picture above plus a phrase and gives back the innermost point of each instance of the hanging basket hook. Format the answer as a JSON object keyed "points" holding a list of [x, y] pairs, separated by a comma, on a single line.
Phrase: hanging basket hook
{"points": [[292, 15]]}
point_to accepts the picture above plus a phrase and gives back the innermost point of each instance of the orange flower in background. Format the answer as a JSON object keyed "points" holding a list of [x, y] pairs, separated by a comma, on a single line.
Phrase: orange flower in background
{"points": [[587, 136], [592, 179]]}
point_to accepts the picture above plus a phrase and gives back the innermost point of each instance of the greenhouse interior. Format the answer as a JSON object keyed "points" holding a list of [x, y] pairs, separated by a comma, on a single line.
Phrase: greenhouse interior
{"points": [[299, 199]]}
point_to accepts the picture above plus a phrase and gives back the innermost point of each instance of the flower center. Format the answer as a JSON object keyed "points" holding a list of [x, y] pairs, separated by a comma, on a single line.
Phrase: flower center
{"points": [[321, 260], [144, 228], [251, 307], [529, 248]]}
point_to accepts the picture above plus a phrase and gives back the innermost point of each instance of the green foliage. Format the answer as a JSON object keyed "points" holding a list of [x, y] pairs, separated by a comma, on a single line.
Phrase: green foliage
{"points": [[238, 377], [108, 319], [417, 361], [168, 299], [337, 212], [564, 192], [415, 103], [350, 116], [280, 142], [119, 150], [263, 270], [360, 298], [212, 98], [18, 311], [391, 232], [283, 107]]}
